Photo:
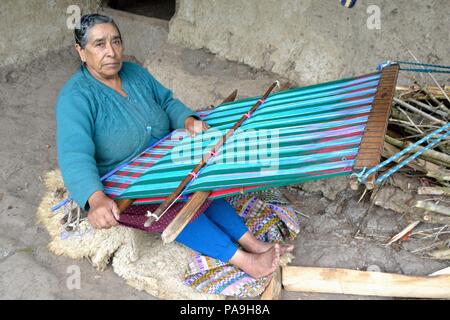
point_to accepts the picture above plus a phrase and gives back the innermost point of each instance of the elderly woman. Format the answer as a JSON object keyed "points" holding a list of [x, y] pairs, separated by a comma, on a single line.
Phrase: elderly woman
{"points": [[108, 112]]}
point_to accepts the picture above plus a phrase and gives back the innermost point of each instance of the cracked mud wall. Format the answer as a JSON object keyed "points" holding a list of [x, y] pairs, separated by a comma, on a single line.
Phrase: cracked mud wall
{"points": [[312, 41], [32, 28]]}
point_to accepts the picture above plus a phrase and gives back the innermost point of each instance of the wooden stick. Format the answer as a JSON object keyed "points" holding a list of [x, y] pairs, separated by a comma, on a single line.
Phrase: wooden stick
{"points": [[410, 120], [435, 191], [125, 203], [440, 105], [430, 169], [436, 91], [429, 218], [273, 290], [433, 207], [431, 109], [441, 254], [184, 216], [430, 154], [432, 77], [402, 233], [231, 97], [174, 196], [396, 114], [414, 109], [345, 281]]}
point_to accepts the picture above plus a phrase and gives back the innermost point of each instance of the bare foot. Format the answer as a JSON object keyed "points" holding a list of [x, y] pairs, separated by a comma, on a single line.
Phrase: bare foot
{"points": [[260, 247], [258, 265], [286, 248], [251, 244]]}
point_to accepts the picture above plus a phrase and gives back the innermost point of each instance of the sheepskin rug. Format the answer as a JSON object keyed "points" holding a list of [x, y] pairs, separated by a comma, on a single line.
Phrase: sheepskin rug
{"points": [[139, 257]]}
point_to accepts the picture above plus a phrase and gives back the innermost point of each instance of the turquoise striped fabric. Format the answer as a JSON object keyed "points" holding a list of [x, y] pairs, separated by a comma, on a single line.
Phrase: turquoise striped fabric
{"points": [[296, 135]]}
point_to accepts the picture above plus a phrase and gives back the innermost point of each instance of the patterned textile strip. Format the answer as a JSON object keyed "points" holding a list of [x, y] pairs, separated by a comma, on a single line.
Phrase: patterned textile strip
{"points": [[123, 178], [213, 276]]}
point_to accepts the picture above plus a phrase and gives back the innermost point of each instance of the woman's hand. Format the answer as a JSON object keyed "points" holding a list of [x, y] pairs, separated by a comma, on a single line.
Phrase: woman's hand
{"points": [[103, 212], [194, 126]]}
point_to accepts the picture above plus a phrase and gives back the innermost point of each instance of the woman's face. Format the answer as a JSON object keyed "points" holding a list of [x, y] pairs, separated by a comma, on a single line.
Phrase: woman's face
{"points": [[103, 51]]}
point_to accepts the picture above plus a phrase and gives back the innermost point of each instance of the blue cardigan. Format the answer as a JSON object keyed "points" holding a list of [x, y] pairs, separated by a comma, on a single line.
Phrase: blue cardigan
{"points": [[97, 129]]}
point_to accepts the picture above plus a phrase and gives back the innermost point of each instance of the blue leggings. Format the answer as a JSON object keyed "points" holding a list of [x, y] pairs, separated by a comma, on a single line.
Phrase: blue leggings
{"points": [[215, 232]]}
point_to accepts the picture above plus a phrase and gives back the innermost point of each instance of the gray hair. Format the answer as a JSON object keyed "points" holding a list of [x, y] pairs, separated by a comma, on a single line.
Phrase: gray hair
{"points": [[87, 21]]}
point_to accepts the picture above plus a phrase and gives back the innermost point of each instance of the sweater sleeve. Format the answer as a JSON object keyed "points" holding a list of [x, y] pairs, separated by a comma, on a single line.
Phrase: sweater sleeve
{"points": [[174, 108], [76, 148]]}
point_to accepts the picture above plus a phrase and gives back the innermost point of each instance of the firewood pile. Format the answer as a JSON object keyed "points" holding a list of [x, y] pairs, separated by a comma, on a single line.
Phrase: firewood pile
{"points": [[421, 189]]}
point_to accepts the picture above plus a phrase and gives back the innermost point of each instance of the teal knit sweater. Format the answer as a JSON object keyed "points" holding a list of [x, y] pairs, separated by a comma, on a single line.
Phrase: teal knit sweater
{"points": [[97, 129]]}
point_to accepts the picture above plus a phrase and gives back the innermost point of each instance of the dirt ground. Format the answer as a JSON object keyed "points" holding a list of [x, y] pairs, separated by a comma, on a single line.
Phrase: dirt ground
{"points": [[329, 236]]}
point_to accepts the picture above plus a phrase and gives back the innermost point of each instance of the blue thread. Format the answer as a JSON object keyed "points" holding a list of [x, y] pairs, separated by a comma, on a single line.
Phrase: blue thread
{"points": [[404, 151], [435, 67], [359, 175], [384, 64], [424, 64], [411, 158], [424, 70]]}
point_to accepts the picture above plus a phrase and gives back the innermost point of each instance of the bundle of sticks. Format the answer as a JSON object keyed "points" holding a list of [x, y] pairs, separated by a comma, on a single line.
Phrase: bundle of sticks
{"points": [[418, 110]]}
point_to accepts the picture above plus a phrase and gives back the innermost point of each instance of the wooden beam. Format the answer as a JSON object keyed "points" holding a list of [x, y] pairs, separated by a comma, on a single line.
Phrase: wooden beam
{"points": [[184, 216], [273, 290], [345, 281], [372, 141], [125, 203]]}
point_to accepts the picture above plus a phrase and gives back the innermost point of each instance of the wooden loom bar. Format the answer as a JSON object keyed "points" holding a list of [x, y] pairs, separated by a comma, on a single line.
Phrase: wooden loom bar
{"points": [[125, 203], [173, 197], [273, 290], [184, 216], [194, 203], [369, 153]]}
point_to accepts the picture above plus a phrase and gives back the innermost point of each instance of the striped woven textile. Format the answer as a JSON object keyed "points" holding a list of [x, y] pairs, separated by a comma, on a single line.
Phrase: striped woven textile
{"points": [[268, 222], [296, 135], [125, 176]]}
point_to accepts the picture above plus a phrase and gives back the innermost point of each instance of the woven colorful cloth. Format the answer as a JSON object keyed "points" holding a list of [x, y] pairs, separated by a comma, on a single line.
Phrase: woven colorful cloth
{"points": [[135, 216], [268, 222]]}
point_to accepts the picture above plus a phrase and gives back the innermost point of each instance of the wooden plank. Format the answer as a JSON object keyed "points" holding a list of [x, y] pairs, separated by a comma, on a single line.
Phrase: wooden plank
{"points": [[370, 139], [364, 163], [375, 126], [273, 290], [379, 116], [369, 153], [184, 216], [373, 134], [379, 111], [345, 281], [369, 145], [370, 149]]}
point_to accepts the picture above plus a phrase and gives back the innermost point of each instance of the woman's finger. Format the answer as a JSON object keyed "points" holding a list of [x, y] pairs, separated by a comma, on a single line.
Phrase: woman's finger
{"points": [[101, 222], [109, 220], [115, 211], [92, 220], [107, 217]]}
